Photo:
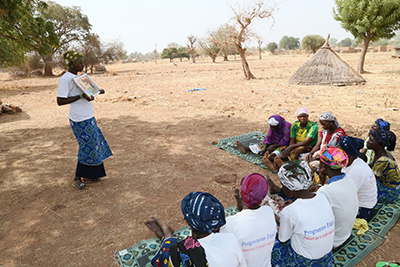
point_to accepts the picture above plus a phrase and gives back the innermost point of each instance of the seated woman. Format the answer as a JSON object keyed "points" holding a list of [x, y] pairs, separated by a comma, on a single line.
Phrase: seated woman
{"points": [[307, 224], [303, 137], [277, 138], [384, 165], [379, 124], [329, 136], [361, 174], [204, 214], [255, 225], [341, 192]]}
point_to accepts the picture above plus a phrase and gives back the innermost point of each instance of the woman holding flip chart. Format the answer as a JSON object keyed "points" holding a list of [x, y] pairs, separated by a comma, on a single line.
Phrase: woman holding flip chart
{"points": [[93, 147]]}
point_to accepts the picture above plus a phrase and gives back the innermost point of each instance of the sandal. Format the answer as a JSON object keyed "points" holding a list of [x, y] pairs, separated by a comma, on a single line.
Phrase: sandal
{"points": [[79, 186], [389, 263]]}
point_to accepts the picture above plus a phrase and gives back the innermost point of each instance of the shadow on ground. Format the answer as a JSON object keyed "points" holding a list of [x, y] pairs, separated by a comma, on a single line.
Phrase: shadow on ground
{"points": [[47, 222]]}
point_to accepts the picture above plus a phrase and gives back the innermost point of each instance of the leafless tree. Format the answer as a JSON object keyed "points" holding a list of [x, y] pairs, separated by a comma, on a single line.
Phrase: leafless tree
{"points": [[243, 16], [191, 48], [259, 45], [223, 37], [210, 46]]}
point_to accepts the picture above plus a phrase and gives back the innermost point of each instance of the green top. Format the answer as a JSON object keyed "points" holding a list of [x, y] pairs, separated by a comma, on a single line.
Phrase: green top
{"points": [[311, 130]]}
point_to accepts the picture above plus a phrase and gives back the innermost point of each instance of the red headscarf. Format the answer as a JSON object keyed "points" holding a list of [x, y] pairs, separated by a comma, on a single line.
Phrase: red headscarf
{"points": [[254, 189]]}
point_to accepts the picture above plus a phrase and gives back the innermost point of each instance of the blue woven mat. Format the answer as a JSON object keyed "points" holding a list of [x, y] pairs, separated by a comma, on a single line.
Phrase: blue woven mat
{"points": [[352, 252], [229, 145]]}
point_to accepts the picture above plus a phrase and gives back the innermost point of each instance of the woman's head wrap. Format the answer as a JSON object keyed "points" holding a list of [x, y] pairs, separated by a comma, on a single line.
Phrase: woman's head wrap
{"points": [[302, 111], [328, 116], [295, 175], [72, 58], [351, 145], [254, 189], [383, 125], [203, 211], [334, 157], [385, 138], [272, 121]]}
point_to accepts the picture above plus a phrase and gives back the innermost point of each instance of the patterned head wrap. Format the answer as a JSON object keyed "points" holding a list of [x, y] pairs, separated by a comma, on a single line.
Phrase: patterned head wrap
{"points": [[302, 111], [72, 58], [385, 138], [203, 211], [295, 175], [254, 189], [334, 157], [383, 125], [328, 116], [272, 121], [351, 145]]}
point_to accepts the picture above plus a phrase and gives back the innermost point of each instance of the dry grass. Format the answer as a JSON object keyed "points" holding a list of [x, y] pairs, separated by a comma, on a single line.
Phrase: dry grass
{"points": [[160, 134]]}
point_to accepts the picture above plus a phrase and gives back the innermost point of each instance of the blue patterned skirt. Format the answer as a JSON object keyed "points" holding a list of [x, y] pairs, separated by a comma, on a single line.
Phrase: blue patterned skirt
{"points": [[386, 194], [161, 259], [93, 147], [283, 255]]}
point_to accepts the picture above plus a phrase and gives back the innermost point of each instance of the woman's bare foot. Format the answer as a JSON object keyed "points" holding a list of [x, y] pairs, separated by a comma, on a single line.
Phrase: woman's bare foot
{"points": [[273, 188], [278, 162], [153, 226], [241, 147], [239, 201], [268, 163], [167, 231]]}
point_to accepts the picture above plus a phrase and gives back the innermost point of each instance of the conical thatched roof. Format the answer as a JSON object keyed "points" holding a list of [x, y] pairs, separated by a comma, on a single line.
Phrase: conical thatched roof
{"points": [[325, 67]]}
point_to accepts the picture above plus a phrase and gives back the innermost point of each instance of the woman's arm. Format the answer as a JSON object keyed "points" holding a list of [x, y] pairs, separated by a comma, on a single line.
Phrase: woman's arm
{"points": [[64, 101], [315, 148]]}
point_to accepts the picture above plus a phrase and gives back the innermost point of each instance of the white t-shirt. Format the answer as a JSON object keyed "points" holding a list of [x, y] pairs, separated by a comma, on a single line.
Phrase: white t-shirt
{"points": [[364, 178], [310, 226], [79, 110], [222, 249], [342, 195], [256, 232]]}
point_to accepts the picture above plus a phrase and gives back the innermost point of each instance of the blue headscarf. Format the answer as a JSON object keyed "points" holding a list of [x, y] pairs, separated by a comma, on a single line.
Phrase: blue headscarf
{"points": [[385, 138], [383, 125], [203, 211], [351, 145]]}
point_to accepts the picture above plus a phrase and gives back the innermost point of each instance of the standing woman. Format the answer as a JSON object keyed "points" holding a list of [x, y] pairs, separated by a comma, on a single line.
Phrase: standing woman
{"points": [[384, 166], [93, 147]]}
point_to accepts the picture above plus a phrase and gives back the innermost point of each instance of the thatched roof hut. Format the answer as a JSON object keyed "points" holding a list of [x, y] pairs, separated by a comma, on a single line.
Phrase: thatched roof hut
{"points": [[325, 67]]}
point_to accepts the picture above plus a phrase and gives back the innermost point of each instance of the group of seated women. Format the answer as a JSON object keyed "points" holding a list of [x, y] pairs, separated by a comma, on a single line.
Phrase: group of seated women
{"points": [[285, 141], [308, 220]]}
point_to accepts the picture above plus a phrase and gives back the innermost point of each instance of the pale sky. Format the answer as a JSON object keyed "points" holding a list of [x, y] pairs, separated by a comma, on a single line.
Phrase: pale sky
{"points": [[142, 24]]}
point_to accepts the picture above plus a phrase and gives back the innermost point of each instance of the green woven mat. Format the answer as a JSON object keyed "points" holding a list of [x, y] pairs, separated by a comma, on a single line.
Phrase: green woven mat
{"points": [[352, 252], [140, 255], [229, 145]]}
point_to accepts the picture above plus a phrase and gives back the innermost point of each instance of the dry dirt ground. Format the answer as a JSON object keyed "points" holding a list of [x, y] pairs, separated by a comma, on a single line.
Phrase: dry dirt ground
{"points": [[160, 135]]}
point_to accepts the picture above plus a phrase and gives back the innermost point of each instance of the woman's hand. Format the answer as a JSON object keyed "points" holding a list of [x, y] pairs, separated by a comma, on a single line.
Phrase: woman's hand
{"points": [[88, 98], [286, 152]]}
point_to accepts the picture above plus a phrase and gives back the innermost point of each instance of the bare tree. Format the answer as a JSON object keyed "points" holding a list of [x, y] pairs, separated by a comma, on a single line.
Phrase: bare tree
{"points": [[259, 45], [243, 16], [155, 55], [210, 46], [223, 37], [191, 48]]}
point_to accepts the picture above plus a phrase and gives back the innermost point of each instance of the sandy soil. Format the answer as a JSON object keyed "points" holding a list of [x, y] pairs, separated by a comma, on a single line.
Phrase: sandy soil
{"points": [[160, 135]]}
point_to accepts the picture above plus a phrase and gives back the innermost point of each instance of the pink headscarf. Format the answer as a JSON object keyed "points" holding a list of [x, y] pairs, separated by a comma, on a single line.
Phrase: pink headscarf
{"points": [[254, 189], [334, 157], [302, 111]]}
